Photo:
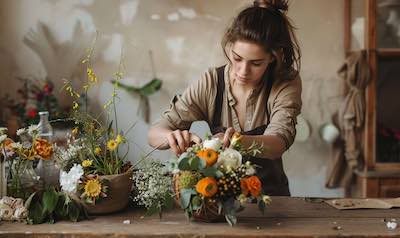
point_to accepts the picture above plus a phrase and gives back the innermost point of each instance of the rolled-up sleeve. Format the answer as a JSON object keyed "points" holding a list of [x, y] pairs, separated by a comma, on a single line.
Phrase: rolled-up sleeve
{"points": [[285, 108], [189, 107]]}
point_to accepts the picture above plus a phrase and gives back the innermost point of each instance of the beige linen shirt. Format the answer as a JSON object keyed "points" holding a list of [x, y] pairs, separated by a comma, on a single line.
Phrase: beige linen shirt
{"points": [[197, 103]]}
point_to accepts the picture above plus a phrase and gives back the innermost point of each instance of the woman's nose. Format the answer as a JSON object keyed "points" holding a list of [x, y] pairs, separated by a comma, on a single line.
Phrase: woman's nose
{"points": [[244, 69]]}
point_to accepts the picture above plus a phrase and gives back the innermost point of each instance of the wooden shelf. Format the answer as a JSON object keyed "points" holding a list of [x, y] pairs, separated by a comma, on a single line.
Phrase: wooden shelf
{"points": [[388, 52]]}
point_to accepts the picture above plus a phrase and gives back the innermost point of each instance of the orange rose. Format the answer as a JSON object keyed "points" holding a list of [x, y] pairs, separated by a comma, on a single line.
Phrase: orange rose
{"points": [[43, 148], [209, 155], [251, 185], [8, 144], [207, 186]]}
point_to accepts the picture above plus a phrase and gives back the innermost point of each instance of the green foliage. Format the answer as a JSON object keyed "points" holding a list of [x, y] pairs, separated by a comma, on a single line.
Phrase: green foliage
{"points": [[148, 89], [50, 206]]}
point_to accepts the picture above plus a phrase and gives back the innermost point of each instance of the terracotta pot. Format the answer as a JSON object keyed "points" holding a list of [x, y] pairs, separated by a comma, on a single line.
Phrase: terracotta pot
{"points": [[119, 189]]}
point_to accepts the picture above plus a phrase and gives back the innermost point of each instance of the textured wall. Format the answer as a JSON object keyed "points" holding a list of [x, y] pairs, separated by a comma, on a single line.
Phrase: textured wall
{"points": [[185, 39]]}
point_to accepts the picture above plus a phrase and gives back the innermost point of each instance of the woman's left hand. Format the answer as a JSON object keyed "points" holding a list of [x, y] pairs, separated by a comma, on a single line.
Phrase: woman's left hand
{"points": [[226, 137]]}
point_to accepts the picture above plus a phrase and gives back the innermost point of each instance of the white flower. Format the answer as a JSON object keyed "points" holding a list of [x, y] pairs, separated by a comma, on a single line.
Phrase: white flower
{"points": [[3, 130], [214, 143], [21, 131], [266, 199], [33, 130], [20, 213], [16, 145], [242, 198], [250, 171], [6, 212], [70, 180], [230, 158], [3, 138]]}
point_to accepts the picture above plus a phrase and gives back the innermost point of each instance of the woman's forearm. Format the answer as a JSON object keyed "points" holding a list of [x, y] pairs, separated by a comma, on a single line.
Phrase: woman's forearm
{"points": [[274, 146]]}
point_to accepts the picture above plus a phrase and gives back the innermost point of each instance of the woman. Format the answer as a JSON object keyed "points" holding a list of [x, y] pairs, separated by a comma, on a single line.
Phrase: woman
{"points": [[258, 93]]}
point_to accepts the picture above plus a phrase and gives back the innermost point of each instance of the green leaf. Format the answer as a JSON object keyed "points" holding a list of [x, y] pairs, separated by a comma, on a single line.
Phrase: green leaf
{"points": [[183, 164], [210, 172], [151, 87], [194, 163], [169, 200], [126, 87], [153, 209], [196, 203], [186, 195], [49, 200], [36, 214], [202, 164], [29, 200], [73, 212]]}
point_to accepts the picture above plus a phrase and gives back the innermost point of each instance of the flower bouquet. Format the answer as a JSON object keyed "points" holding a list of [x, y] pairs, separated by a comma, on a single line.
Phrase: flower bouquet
{"points": [[93, 163], [21, 156], [212, 182]]}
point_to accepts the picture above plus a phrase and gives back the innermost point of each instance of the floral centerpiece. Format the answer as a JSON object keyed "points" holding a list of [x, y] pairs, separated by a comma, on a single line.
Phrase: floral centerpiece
{"points": [[20, 156], [212, 182], [94, 162]]}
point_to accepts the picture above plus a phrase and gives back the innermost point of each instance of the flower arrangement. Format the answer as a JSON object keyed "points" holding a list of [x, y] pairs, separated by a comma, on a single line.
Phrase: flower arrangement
{"points": [[35, 95], [153, 187], [211, 181], [20, 157], [94, 148]]}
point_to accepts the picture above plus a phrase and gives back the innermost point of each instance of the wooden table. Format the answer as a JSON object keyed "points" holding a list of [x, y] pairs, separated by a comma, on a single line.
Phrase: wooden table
{"points": [[286, 217]]}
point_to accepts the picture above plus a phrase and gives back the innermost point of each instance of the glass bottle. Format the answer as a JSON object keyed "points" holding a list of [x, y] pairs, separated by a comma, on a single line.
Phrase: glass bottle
{"points": [[45, 129], [47, 169]]}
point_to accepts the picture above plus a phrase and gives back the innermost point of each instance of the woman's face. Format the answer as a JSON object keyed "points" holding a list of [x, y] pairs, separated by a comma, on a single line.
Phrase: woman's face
{"points": [[249, 61]]}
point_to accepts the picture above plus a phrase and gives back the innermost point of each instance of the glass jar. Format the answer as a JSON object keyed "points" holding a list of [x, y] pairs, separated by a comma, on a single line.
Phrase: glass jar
{"points": [[22, 179]]}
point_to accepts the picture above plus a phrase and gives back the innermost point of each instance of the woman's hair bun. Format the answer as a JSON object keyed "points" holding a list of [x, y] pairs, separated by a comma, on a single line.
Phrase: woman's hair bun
{"points": [[279, 5]]}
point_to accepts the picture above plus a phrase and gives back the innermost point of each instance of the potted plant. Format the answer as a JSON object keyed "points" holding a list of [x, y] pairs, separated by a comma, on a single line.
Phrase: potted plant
{"points": [[93, 164]]}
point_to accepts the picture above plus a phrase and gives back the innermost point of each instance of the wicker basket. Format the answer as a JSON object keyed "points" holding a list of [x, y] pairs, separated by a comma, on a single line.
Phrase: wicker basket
{"points": [[208, 213], [120, 186]]}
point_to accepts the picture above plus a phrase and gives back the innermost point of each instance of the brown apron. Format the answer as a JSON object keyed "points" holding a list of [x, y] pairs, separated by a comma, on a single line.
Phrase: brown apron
{"points": [[271, 173]]}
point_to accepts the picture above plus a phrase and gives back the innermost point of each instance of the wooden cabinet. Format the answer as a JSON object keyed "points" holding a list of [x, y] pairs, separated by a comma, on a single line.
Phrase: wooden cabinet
{"points": [[374, 26]]}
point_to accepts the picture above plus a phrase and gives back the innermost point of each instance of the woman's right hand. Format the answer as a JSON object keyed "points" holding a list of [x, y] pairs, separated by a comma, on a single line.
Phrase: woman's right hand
{"points": [[179, 140]]}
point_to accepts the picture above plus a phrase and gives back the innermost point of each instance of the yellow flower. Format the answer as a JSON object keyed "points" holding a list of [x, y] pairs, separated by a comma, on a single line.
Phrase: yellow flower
{"points": [[92, 77], [92, 188], [112, 145], [75, 131], [97, 151], [75, 105], [87, 163], [119, 139]]}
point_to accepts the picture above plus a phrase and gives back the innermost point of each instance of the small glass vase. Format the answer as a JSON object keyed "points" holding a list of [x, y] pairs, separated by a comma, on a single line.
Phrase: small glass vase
{"points": [[22, 179]]}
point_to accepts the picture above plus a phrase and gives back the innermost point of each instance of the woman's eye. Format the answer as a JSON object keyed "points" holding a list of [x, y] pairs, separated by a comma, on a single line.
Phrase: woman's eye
{"points": [[257, 64], [237, 59]]}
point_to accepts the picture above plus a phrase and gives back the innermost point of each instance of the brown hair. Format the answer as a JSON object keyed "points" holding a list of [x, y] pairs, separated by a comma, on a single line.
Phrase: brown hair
{"points": [[265, 23]]}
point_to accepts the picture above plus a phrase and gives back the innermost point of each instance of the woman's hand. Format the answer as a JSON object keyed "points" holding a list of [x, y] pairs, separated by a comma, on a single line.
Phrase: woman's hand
{"points": [[226, 137], [179, 140]]}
